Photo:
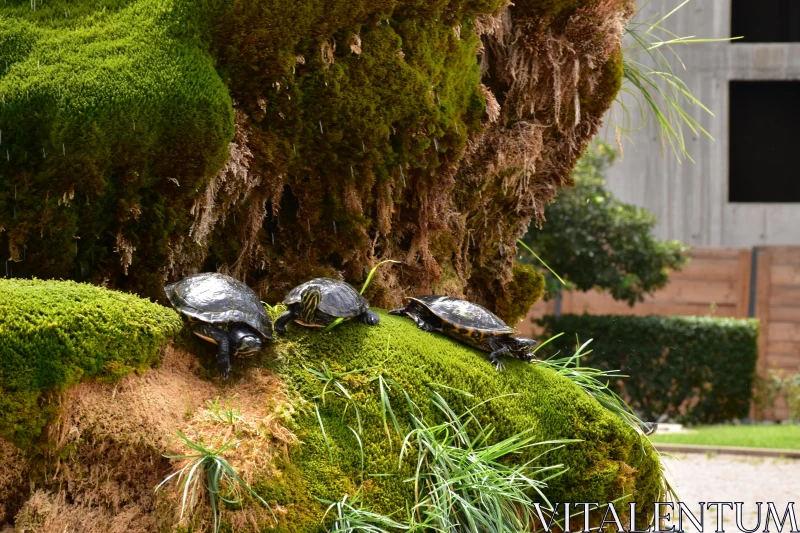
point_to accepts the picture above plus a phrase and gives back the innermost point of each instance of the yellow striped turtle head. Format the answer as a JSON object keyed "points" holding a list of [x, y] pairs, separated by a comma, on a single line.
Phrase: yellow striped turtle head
{"points": [[308, 303]]}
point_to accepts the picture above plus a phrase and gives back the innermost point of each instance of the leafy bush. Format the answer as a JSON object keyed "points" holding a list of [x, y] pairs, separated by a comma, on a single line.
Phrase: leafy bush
{"points": [[694, 369], [594, 240], [54, 334]]}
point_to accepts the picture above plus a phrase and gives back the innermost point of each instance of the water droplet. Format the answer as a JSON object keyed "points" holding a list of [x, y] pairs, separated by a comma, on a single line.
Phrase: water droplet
{"points": [[351, 172], [63, 149], [334, 227], [320, 127], [294, 147], [402, 175], [363, 148]]}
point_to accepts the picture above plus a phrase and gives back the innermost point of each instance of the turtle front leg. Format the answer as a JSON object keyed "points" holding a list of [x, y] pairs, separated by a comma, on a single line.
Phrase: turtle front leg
{"points": [[223, 342], [420, 322], [285, 318], [369, 318], [496, 350]]}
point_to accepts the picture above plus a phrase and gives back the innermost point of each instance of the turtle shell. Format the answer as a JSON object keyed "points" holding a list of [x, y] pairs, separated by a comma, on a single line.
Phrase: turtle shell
{"points": [[339, 299], [463, 315], [217, 298]]}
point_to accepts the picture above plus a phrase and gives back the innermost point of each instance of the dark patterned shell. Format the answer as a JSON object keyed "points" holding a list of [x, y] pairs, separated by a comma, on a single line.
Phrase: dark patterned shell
{"points": [[463, 314], [217, 298], [338, 298]]}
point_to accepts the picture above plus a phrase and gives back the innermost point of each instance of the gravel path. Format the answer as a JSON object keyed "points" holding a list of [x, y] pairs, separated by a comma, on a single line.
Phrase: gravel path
{"points": [[733, 478]]}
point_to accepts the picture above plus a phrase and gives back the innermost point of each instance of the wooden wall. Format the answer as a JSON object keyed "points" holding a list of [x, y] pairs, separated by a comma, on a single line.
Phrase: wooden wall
{"points": [[718, 282]]}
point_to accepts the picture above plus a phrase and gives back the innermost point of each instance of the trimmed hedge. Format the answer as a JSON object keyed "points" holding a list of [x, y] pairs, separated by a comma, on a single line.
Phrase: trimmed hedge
{"points": [[694, 369], [54, 334]]}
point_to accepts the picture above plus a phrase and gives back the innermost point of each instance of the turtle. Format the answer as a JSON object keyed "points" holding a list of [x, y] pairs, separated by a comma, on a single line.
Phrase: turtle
{"points": [[222, 310], [320, 301], [469, 323]]}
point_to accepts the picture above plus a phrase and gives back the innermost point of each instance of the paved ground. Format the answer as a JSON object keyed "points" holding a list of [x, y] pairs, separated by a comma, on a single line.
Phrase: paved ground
{"points": [[731, 478]]}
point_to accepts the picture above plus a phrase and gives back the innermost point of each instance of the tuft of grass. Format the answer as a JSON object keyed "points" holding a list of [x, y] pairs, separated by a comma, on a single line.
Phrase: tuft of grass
{"points": [[659, 93], [224, 413], [354, 517], [206, 468], [592, 380], [461, 482]]}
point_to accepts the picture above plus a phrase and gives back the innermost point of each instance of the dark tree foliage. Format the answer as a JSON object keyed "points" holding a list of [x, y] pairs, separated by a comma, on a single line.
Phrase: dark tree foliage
{"points": [[593, 240]]}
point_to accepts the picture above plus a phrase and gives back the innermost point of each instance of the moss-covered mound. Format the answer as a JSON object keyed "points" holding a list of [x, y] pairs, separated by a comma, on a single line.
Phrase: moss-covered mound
{"points": [[427, 131], [55, 334], [113, 120], [611, 460], [280, 405]]}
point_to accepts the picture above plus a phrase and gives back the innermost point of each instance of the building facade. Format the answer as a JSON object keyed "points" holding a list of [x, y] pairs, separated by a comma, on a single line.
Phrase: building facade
{"points": [[743, 190]]}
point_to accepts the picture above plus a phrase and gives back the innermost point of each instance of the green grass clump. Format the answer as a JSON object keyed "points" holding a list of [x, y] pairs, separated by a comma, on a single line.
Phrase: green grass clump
{"points": [[367, 375], [55, 334], [785, 437]]}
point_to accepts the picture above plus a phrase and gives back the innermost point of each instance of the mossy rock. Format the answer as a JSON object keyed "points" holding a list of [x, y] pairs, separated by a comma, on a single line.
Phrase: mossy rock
{"points": [[54, 334], [64, 332], [609, 461]]}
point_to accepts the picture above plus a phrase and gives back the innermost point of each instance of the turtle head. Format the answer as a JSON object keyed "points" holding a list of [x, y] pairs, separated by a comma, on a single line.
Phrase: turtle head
{"points": [[245, 342], [309, 301], [522, 347]]}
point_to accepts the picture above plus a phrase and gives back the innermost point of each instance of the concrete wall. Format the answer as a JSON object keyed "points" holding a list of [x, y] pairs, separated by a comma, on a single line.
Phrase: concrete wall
{"points": [[691, 199]]}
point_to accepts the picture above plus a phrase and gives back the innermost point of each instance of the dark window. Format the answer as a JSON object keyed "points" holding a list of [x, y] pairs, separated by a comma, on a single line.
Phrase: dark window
{"points": [[764, 141], [766, 21]]}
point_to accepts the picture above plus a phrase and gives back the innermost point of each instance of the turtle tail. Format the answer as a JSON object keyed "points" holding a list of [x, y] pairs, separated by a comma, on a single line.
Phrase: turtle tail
{"points": [[309, 302]]}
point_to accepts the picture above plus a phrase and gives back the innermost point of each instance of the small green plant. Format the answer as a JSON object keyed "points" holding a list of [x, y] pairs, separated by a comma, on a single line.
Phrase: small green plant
{"points": [[363, 288], [791, 392], [354, 517], [766, 390], [224, 413], [207, 468]]}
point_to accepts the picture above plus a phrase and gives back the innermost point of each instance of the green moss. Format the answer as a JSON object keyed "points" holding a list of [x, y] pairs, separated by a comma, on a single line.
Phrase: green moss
{"points": [[113, 118], [526, 288], [610, 460], [56, 334]]}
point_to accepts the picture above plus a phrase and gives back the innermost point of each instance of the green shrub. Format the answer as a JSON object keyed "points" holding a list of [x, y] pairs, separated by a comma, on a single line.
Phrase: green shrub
{"points": [[595, 241], [694, 369], [54, 334]]}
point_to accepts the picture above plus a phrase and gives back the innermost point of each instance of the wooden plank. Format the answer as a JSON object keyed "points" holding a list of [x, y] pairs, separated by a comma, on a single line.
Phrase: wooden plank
{"points": [[785, 255], [602, 304], [709, 252], [705, 292], [784, 331], [783, 348], [707, 270], [785, 295], [763, 292], [743, 269], [784, 314], [786, 274], [785, 362]]}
